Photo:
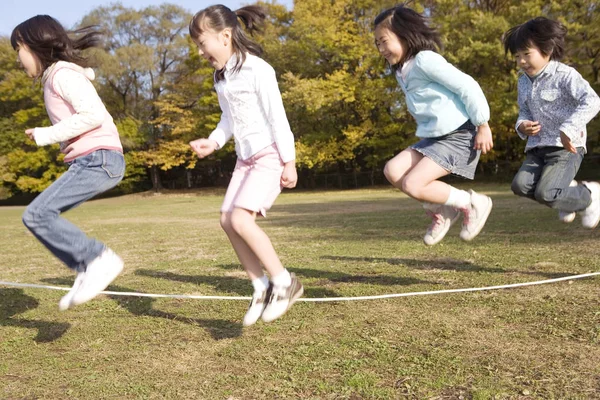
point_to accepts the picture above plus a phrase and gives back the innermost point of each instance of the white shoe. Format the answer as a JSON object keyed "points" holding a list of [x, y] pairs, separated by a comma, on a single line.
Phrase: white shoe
{"points": [[65, 302], [568, 217], [442, 218], [257, 306], [591, 215], [281, 299], [98, 275], [475, 215]]}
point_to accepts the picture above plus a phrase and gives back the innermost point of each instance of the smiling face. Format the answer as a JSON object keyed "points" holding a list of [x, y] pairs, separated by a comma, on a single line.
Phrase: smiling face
{"points": [[389, 45], [28, 61], [215, 47], [531, 60]]}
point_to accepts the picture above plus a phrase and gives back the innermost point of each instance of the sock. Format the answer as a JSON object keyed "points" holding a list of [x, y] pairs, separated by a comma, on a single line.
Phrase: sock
{"points": [[458, 198], [284, 279], [260, 284]]}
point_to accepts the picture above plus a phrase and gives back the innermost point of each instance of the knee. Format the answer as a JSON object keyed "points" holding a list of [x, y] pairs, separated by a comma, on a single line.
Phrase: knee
{"points": [[226, 222], [30, 218], [412, 187], [544, 195], [519, 188], [391, 174], [239, 222]]}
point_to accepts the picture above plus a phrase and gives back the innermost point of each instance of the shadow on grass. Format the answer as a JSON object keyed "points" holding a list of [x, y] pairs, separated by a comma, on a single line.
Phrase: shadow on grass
{"points": [[342, 277], [14, 302], [226, 284], [142, 306], [445, 264]]}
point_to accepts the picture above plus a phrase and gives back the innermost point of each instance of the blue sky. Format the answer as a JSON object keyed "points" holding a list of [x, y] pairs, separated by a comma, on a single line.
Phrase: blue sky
{"points": [[69, 12]]}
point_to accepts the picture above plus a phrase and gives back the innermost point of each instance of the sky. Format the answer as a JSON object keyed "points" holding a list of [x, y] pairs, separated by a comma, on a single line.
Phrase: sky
{"points": [[69, 12]]}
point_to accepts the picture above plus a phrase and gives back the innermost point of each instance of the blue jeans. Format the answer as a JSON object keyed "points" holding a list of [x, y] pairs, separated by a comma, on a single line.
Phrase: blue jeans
{"points": [[86, 177], [545, 177]]}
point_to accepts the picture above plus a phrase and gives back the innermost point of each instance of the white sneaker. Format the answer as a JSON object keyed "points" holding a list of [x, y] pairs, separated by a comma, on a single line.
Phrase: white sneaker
{"points": [[475, 215], [257, 306], [591, 215], [98, 275], [65, 302], [281, 300], [568, 217], [442, 218]]}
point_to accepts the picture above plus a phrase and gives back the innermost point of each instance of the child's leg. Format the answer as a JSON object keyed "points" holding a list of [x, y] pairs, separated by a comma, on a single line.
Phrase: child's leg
{"points": [[526, 179], [253, 246], [84, 179], [87, 177], [553, 188], [396, 169]]}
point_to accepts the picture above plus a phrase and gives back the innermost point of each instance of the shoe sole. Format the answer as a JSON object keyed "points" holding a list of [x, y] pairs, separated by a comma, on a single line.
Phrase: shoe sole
{"points": [[441, 237], [481, 223]]}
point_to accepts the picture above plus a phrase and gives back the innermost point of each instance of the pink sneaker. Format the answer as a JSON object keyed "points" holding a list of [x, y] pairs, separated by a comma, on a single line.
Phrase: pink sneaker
{"points": [[475, 215], [442, 218]]}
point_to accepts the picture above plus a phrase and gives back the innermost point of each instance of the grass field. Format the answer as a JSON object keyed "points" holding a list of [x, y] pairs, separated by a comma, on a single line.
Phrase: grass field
{"points": [[534, 342]]}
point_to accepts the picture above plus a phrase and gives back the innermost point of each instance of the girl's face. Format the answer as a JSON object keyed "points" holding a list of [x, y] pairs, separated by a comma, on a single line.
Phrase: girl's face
{"points": [[389, 45], [215, 47], [28, 61], [531, 60]]}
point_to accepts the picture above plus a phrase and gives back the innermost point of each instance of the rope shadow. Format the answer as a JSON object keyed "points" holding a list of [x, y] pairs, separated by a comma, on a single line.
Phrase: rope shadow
{"points": [[14, 302], [143, 306]]}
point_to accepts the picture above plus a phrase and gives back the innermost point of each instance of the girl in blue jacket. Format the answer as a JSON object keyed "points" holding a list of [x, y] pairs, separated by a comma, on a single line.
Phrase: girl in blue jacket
{"points": [[452, 116]]}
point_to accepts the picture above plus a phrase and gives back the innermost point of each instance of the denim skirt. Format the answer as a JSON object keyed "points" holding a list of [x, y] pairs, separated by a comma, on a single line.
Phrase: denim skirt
{"points": [[454, 152]]}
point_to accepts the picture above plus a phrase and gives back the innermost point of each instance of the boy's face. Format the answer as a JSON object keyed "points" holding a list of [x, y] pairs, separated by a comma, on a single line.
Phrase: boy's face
{"points": [[389, 45], [215, 47], [531, 60]]}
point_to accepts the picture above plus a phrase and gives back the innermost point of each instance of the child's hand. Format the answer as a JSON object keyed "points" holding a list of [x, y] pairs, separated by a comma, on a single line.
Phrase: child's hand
{"points": [[530, 128], [29, 133], [566, 142], [203, 147], [483, 139], [289, 177]]}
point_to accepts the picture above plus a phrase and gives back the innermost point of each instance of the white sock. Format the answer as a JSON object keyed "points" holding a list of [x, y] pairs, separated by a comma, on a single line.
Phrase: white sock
{"points": [[260, 284], [458, 198], [283, 279]]}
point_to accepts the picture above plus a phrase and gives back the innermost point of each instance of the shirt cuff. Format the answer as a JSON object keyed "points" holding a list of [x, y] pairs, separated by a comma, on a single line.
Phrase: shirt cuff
{"points": [[219, 136], [521, 135], [571, 131], [42, 136]]}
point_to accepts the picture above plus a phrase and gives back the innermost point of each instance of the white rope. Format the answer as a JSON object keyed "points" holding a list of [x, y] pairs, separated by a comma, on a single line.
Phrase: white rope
{"points": [[320, 300]]}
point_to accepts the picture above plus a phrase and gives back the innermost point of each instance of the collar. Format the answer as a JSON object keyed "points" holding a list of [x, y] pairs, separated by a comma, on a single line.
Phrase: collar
{"points": [[231, 62]]}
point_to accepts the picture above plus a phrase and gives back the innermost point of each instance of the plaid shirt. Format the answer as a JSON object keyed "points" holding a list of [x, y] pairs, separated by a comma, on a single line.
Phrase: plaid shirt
{"points": [[561, 100]]}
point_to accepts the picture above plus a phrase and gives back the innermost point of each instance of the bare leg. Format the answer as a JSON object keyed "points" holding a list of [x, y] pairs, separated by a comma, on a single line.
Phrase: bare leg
{"points": [[251, 243], [417, 176]]}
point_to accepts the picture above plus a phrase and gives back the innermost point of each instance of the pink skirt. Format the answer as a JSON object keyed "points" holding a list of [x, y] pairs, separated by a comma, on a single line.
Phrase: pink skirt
{"points": [[255, 183]]}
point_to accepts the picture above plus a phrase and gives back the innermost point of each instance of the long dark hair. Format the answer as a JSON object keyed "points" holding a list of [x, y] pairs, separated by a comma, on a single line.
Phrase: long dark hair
{"points": [[411, 28], [48, 40], [545, 34], [219, 17]]}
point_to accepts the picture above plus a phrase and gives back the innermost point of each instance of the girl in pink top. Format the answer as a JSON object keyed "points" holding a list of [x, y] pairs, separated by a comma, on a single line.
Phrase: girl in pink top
{"points": [[254, 116], [89, 139]]}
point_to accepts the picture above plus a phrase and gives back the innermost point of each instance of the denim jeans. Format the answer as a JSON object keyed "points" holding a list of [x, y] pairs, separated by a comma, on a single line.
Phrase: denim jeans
{"points": [[545, 177], [86, 177]]}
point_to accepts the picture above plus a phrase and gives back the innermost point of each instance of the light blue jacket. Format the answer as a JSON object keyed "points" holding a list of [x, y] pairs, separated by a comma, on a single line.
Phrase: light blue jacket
{"points": [[441, 97]]}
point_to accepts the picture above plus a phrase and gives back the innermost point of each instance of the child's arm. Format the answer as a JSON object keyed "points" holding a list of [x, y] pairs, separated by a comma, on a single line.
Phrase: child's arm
{"points": [[525, 125], [90, 112], [204, 147], [272, 104], [436, 68], [588, 104]]}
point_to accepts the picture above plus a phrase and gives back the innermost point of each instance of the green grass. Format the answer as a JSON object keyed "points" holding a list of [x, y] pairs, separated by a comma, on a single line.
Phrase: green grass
{"points": [[534, 342]]}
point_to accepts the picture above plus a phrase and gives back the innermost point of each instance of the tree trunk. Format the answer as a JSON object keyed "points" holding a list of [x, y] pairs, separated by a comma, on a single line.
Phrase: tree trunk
{"points": [[155, 177]]}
